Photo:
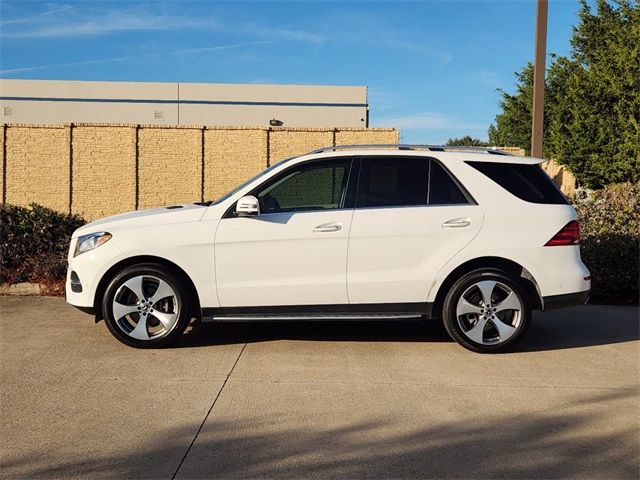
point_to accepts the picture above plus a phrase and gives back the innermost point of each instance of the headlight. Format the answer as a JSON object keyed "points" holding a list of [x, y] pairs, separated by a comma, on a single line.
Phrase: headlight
{"points": [[91, 241]]}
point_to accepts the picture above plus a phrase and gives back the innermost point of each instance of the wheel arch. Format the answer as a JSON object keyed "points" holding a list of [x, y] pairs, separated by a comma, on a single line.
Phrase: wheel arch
{"points": [[135, 260], [509, 266]]}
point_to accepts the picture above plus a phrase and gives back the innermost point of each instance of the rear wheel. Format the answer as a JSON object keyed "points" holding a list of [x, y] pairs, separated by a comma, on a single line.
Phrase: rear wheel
{"points": [[486, 311], [146, 306]]}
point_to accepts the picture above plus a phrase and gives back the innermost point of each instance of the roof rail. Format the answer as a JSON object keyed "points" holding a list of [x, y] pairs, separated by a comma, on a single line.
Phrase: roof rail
{"points": [[401, 146]]}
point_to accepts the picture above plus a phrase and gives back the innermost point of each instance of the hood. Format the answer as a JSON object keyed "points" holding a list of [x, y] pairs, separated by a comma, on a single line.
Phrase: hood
{"points": [[189, 212]]}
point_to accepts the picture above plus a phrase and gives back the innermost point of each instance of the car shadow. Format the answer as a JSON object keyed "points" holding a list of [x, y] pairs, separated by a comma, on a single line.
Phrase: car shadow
{"points": [[219, 333], [561, 329]]}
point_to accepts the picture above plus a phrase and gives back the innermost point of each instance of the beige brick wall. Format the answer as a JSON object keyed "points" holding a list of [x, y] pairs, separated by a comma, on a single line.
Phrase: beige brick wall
{"points": [[232, 156], [2, 158], [104, 170], [563, 178], [38, 166], [285, 143], [354, 137], [110, 175], [169, 166]]}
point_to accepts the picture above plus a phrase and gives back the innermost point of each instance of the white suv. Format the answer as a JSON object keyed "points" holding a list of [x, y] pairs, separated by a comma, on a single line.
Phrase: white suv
{"points": [[476, 237]]}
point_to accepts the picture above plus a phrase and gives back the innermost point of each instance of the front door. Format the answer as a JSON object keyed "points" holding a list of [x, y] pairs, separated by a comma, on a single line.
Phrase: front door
{"points": [[295, 251], [411, 217]]}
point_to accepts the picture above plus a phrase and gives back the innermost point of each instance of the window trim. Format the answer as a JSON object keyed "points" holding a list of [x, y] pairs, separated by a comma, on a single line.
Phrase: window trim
{"points": [[278, 176], [465, 192]]}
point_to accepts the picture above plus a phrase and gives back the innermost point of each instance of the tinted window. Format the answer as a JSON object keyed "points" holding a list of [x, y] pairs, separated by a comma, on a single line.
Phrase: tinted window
{"points": [[443, 190], [307, 187], [527, 182], [393, 182]]}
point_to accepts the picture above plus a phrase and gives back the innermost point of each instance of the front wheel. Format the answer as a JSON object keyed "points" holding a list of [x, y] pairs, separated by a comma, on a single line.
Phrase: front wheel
{"points": [[146, 306], [486, 311]]}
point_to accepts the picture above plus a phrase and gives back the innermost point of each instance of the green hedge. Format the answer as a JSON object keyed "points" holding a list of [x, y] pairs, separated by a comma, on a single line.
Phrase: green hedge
{"points": [[610, 222], [34, 243]]}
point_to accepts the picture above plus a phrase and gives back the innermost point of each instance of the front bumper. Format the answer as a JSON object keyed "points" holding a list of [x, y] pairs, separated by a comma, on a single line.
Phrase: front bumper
{"points": [[566, 300], [85, 271]]}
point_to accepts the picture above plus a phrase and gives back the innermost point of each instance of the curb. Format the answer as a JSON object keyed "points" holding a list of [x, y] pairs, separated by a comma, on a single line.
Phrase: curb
{"points": [[21, 289]]}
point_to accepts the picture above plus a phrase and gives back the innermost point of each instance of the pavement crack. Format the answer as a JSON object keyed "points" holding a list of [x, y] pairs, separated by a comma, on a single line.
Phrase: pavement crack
{"points": [[210, 408]]}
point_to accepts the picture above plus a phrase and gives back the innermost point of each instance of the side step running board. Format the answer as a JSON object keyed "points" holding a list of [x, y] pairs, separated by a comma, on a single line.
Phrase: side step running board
{"points": [[250, 317]]}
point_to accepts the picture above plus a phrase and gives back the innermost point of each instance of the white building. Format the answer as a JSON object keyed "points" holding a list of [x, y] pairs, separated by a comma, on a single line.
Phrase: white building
{"points": [[57, 101]]}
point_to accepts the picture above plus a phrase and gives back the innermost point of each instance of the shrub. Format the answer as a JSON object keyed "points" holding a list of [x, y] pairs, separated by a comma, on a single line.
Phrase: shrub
{"points": [[33, 245], [610, 222]]}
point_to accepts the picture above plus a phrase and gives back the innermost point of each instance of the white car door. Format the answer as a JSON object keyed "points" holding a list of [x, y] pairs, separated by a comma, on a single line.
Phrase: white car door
{"points": [[405, 228], [294, 251]]}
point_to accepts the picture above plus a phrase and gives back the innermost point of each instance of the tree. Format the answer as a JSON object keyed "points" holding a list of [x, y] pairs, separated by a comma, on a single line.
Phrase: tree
{"points": [[513, 125], [592, 100], [466, 141]]}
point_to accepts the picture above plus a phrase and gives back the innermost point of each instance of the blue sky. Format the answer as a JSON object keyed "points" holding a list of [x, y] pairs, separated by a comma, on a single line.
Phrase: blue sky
{"points": [[432, 67]]}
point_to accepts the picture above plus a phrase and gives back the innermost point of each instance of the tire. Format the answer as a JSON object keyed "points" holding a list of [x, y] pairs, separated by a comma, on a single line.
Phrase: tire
{"points": [[163, 318], [486, 327]]}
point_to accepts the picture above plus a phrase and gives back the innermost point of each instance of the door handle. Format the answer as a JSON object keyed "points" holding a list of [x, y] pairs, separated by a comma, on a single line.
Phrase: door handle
{"points": [[457, 223], [328, 227]]}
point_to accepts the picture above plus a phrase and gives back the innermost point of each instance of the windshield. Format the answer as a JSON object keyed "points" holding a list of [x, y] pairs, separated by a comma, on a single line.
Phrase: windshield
{"points": [[240, 187]]}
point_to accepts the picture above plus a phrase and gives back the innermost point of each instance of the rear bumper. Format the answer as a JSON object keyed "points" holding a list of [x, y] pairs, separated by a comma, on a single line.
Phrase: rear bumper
{"points": [[565, 300]]}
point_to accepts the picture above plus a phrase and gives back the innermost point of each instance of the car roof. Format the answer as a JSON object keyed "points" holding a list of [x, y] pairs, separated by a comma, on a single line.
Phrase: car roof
{"points": [[440, 152]]}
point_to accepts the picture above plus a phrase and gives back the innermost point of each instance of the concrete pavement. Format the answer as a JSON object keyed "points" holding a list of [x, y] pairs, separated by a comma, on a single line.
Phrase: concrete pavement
{"points": [[340, 400]]}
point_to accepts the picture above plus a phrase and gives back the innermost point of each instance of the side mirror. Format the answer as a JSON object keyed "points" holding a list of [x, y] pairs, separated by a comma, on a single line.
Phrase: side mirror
{"points": [[247, 207]]}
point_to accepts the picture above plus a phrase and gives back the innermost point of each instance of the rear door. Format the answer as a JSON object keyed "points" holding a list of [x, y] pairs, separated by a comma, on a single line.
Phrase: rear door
{"points": [[411, 217]]}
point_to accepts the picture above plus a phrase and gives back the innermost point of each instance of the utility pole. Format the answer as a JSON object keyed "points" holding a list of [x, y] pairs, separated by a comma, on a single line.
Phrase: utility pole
{"points": [[537, 126]]}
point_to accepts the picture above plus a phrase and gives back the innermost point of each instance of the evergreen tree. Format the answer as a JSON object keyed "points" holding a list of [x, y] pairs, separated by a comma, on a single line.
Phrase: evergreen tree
{"points": [[466, 141], [592, 99]]}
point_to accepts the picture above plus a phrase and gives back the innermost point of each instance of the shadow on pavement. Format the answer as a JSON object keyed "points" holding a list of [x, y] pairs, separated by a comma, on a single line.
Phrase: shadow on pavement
{"points": [[215, 333], [571, 328], [561, 443]]}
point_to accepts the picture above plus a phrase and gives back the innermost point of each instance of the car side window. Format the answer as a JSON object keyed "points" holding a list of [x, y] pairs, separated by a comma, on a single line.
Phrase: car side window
{"points": [[393, 182], [443, 190], [311, 186]]}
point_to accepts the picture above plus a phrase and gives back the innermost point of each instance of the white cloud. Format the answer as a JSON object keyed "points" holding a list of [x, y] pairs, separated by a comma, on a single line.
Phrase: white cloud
{"points": [[163, 53], [31, 18], [217, 48], [428, 121], [443, 57], [103, 22], [490, 78], [68, 64], [107, 22], [278, 33]]}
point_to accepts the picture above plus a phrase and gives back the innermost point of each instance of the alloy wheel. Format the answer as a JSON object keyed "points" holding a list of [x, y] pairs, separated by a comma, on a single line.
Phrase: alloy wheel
{"points": [[145, 307], [489, 312]]}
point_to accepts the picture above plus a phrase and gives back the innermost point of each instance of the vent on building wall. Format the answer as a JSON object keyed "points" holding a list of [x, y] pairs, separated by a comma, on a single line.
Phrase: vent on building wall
{"points": [[158, 114], [7, 111]]}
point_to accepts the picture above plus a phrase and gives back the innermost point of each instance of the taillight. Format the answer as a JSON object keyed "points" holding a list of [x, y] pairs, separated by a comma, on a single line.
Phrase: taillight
{"points": [[569, 235]]}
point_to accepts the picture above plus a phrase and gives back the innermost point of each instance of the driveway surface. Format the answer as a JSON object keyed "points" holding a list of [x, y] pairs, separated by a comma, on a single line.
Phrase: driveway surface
{"points": [[325, 400]]}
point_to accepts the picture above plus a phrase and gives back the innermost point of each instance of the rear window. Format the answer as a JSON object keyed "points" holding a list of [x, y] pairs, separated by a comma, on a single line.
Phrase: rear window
{"points": [[527, 182]]}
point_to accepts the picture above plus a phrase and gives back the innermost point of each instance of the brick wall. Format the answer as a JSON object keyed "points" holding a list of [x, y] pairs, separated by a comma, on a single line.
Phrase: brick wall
{"points": [[169, 166], [37, 166], [102, 169], [231, 157]]}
